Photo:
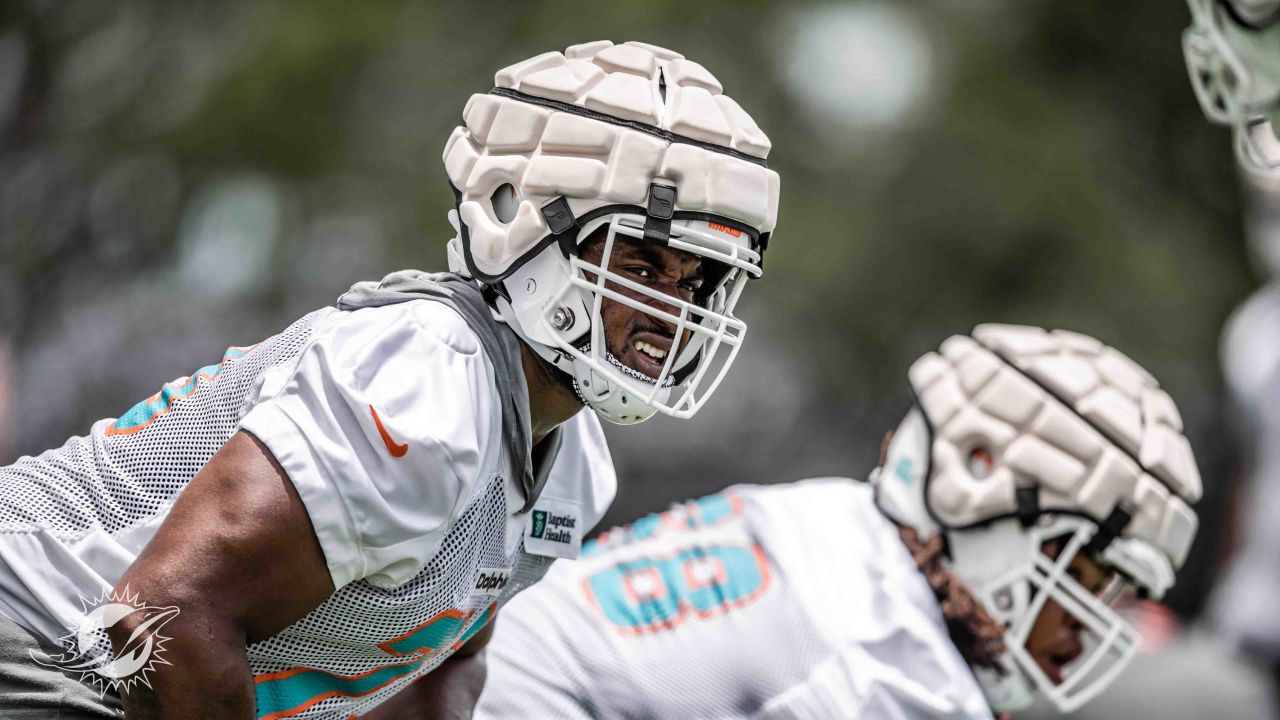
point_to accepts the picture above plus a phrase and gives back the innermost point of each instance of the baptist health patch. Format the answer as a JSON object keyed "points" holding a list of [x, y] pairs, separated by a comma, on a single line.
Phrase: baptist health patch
{"points": [[554, 529]]}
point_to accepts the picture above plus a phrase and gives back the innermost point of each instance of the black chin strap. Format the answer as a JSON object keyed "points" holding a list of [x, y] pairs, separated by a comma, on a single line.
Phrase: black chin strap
{"points": [[1028, 505], [1108, 530]]}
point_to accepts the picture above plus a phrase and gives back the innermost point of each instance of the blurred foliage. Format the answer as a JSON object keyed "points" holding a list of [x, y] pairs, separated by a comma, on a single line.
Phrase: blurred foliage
{"points": [[175, 178]]}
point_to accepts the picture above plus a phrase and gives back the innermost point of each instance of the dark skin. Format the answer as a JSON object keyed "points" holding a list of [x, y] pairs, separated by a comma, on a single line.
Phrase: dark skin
{"points": [[673, 273], [1055, 637], [207, 559]]}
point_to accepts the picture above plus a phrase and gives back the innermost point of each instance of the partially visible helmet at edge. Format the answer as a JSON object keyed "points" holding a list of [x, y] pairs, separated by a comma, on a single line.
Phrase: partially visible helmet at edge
{"points": [[1232, 49]]}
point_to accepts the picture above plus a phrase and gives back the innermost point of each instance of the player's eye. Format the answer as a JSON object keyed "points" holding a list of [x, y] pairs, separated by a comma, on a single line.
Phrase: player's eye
{"points": [[644, 272]]}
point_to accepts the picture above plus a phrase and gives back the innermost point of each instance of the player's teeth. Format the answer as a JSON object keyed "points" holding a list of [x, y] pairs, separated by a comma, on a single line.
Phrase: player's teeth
{"points": [[648, 349]]}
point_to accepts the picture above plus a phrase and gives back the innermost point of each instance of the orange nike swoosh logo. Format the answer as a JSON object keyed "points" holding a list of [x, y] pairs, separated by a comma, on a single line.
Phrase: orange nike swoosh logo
{"points": [[396, 449]]}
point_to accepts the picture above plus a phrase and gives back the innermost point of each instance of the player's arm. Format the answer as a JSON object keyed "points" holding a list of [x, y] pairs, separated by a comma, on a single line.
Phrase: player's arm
{"points": [[447, 692], [238, 557]]}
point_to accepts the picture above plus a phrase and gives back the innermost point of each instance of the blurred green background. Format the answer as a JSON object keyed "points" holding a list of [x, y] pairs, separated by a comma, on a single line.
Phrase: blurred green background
{"points": [[180, 177]]}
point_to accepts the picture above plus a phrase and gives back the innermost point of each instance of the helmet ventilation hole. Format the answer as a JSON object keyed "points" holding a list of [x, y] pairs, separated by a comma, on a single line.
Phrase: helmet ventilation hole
{"points": [[505, 201], [980, 462]]}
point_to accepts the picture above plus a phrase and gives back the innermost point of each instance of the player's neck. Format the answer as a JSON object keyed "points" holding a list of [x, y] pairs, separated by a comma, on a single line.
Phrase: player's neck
{"points": [[551, 402]]}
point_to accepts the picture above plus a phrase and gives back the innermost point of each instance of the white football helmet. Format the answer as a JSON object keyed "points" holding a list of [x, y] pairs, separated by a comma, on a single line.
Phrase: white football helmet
{"points": [[1232, 48], [1022, 437], [632, 141]]}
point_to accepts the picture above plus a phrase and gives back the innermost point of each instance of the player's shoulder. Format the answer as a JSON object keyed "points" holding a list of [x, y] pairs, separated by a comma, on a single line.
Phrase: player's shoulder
{"points": [[817, 520], [423, 321], [828, 520], [416, 344], [824, 494], [442, 324], [417, 365]]}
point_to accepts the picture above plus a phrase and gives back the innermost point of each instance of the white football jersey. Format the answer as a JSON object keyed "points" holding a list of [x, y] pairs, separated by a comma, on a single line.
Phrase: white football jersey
{"points": [[787, 601], [388, 423]]}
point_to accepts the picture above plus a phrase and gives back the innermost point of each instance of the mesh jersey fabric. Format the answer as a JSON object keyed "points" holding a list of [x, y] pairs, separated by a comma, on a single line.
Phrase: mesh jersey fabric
{"points": [[787, 601], [404, 541]]}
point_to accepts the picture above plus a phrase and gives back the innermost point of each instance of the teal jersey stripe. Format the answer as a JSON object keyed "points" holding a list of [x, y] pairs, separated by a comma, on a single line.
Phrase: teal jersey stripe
{"points": [[285, 696], [145, 411], [276, 697], [428, 638]]}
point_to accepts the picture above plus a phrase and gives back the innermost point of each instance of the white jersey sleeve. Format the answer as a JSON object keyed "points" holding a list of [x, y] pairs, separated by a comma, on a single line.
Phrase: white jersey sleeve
{"points": [[381, 424], [788, 601]]}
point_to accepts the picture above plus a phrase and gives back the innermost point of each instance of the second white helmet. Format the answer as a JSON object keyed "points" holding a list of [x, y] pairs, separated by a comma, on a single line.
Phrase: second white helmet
{"points": [[1023, 439]]}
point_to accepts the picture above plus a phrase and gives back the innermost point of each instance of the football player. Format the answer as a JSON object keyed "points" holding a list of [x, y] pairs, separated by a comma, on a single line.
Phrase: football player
{"points": [[1233, 52], [1038, 479], [314, 521]]}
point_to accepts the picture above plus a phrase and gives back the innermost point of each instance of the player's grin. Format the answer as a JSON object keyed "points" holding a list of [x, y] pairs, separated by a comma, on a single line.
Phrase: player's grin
{"points": [[646, 352]]}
